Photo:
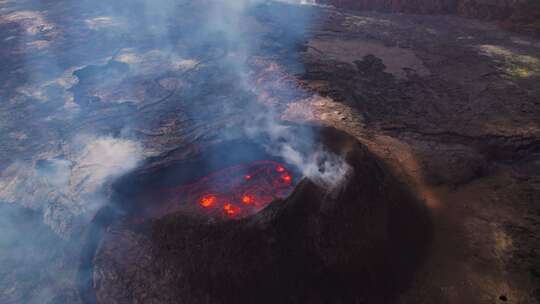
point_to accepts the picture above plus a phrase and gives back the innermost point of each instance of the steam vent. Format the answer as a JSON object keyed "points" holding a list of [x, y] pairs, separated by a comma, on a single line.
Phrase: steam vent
{"points": [[269, 151]]}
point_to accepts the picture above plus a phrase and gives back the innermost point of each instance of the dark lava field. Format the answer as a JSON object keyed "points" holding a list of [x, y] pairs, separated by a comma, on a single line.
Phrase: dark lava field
{"points": [[259, 151]]}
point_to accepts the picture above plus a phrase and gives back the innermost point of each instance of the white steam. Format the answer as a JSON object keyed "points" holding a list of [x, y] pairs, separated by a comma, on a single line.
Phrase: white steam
{"points": [[67, 187], [323, 167], [101, 159], [326, 169]]}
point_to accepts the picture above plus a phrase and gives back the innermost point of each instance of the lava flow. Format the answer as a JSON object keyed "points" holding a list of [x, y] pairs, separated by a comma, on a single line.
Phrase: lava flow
{"points": [[235, 192]]}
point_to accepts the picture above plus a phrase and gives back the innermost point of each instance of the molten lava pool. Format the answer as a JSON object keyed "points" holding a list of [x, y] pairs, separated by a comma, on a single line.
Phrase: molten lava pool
{"points": [[234, 192]]}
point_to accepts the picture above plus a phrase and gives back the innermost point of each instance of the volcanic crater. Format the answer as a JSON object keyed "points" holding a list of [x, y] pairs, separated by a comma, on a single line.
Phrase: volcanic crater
{"points": [[363, 238]]}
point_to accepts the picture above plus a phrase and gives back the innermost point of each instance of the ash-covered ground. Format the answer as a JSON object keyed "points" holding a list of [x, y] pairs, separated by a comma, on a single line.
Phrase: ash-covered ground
{"points": [[91, 91]]}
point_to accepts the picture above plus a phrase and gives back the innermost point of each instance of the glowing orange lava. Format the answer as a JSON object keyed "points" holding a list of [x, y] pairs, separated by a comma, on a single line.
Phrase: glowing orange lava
{"points": [[247, 199], [231, 210], [208, 201], [233, 192], [286, 178]]}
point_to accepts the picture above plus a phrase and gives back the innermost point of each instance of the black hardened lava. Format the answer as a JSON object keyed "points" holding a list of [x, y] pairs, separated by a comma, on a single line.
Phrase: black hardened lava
{"points": [[134, 192], [358, 243]]}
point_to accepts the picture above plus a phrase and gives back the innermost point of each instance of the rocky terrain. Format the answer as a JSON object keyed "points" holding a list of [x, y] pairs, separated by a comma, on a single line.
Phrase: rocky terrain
{"points": [[305, 248], [449, 107], [517, 15]]}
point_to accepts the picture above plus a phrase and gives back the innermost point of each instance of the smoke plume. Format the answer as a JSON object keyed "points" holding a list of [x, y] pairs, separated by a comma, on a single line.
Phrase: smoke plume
{"points": [[94, 88]]}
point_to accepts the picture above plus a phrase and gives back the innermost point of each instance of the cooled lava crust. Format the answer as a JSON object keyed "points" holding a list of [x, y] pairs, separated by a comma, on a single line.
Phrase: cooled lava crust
{"points": [[359, 243], [230, 193]]}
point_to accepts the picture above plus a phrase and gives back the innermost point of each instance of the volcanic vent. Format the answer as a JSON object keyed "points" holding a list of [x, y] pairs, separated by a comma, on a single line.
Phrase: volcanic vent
{"points": [[252, 230], [232, 192]]}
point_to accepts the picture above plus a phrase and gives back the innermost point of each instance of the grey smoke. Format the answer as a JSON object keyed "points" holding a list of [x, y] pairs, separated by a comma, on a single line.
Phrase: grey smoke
{"points": [[67, 187], [66, 182], [323, 167], [313, 160]]}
